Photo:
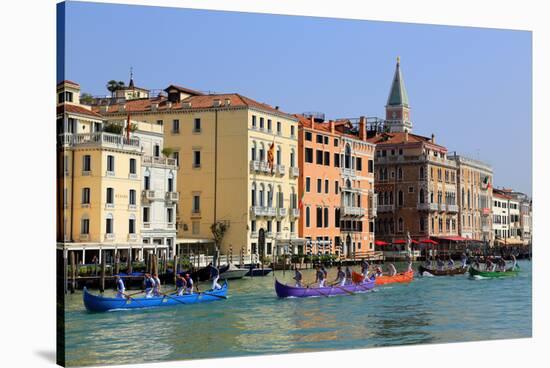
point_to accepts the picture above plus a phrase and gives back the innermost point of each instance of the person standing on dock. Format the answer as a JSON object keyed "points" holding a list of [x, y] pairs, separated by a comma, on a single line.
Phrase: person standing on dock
{"points": [[297, 277], [189, 283], [214, 275], [181, 285], [120, 289], [320, 277], [156, 286], [148, 283]]}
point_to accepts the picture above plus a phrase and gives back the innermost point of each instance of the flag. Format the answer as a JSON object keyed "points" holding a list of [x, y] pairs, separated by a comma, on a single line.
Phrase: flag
{"points": [[270, 155], [301, 202]]}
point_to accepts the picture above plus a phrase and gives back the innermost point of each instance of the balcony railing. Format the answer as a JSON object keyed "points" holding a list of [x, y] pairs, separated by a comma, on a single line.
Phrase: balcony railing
{"points": [[84, 237], [132, 237], [425, 207], [146, 225], [294, 172], [254, 166], [280, 169], [373, 211], [172, 196], [159, 161], [282, 212], [441, 207], [109, 236], [294, 213], [100, 139], [148, 194], [263, 211], [352, 211], [452, 208], [348, 172], [385, 207]]}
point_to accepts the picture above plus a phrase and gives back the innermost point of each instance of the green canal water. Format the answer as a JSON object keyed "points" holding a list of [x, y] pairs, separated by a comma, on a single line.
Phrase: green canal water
{"points": [[254, 321]]}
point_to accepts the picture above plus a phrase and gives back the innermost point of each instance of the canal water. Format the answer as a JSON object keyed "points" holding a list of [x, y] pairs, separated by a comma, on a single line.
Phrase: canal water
{"points": [[254, 321]]}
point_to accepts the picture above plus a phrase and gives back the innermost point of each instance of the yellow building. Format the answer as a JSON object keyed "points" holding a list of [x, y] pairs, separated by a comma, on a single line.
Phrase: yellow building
{"points": [[221, 144], [98, 181]]}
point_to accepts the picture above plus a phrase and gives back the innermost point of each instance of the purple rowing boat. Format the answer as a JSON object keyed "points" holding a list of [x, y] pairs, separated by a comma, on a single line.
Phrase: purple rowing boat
{"points": [[286, 291]]}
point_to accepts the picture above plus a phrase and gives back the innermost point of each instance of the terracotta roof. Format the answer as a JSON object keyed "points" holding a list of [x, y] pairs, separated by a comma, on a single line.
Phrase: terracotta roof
{"points": [[183, 89], [197, 102], [68, 82], [502, 196], [342, 127], [75, 109], [399, 138]]}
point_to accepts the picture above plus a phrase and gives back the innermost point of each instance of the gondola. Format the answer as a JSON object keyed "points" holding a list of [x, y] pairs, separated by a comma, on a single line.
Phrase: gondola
{"points": [[446, 272], [493, 274], [98, 303], [386, 279], [286, 291], [233, 272]]}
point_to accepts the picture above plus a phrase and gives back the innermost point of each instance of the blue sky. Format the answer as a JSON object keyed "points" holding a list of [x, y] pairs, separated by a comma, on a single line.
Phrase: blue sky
{"points": [[471, 87]]}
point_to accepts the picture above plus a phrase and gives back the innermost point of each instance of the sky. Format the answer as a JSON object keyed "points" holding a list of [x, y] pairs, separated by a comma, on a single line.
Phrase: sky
{"points": [[471, 87]]}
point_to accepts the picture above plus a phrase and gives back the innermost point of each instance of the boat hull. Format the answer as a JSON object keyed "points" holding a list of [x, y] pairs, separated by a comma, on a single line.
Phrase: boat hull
{"points": [[383, 280], [258, 272], [286, 291], [451, 272], [508, 273], [233, 274], [97, 303]]}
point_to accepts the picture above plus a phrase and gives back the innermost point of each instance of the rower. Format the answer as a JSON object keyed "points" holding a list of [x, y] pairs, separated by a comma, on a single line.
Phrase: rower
{"points": [[410, 266], [364, 267], [440, 264], [180, 285], [464, 260], [156, 286], [514, 262], [392, 269], [189, 283], [348, 273], [320, 277], [451, 263], [120, 287], [324, 271], [340, 277], [297, 277], [427, 263], [488, 264], [214, 275], [149, 283], [378, 272]]}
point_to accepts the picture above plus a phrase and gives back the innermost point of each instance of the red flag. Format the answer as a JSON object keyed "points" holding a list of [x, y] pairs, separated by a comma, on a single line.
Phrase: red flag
{"points": [[301, 202], [270, 155]]}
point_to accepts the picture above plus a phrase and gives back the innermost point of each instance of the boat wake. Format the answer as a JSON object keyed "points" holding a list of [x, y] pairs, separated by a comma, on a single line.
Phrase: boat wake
{"points": [[427, 274]]}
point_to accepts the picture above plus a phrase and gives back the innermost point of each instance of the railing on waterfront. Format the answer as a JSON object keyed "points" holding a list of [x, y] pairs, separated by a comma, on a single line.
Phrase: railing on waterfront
{"points": [[99, 139]]}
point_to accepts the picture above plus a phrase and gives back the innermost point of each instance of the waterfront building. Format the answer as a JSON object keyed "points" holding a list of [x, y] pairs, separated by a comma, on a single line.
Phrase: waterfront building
{"points": [[415, 180], [525, 213], [222, 144], [475, 183], [501, 215], [336, 186], [97, 172]]}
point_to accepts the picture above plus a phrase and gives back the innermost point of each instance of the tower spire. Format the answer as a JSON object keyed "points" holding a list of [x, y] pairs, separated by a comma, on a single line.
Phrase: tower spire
{"points": [[131, 84], [397, 106]]}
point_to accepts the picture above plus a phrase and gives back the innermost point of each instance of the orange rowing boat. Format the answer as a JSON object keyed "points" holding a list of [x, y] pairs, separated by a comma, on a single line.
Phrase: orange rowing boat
{"points": [[383, 280]]}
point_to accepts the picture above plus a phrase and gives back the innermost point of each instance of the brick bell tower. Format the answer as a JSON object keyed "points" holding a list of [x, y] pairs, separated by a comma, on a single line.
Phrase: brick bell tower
{"points": [[397, 107]]}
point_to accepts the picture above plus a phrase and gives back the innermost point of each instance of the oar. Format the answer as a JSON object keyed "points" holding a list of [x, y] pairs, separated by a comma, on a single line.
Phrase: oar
{"points": [[139, 292], [171, 297], [341, 288]]}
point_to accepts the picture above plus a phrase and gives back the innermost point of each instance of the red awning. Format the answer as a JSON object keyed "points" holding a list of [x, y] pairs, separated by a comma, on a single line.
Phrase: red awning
{"points": [[454, 238], [428, 241], [414, 241], [380, 243], [400, 241]]}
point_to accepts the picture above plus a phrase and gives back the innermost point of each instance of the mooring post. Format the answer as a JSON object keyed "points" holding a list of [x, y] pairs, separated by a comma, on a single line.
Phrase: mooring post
{"points": [[73, 272], [117, 262], [175, 268], [102, 281]]}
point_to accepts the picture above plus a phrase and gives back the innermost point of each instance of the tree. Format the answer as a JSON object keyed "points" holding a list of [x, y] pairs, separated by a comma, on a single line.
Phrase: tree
{"points": [[86, 98], [113, 86], [218, 230], [167, 151]]}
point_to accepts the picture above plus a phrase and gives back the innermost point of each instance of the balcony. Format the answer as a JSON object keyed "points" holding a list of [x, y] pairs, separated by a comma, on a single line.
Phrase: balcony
{"points": [[282, 212], [269, 234], [385, 207], [148, 194], [132, 207], [99, 139], [452, 208], [294, 172], [486, 211], [109, 206], [426, 206], [132, 237], [258, 211], [172, 196], [254, 166], [373, 211], [486, 229], [348, 172], [163, 162], [264, 167], [146, 225], [109, 236], [295, 213], [352, 211], [280, 169], [441, 207], [84, 237]]}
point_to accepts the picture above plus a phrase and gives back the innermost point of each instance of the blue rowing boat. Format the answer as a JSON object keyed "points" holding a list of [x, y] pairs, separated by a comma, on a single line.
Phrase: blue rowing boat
{"points": [[98, 303]]}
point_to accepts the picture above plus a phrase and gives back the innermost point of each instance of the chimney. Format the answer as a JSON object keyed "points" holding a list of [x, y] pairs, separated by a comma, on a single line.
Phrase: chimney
{"points": [[406, 135], [362, 128], [433, 138], [312, 122], [331, 126], [276, 107]]}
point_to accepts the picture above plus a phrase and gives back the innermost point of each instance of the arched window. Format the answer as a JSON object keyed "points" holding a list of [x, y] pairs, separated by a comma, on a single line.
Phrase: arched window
{"points": [[262, 196], [262, 152], [421, 172], [253, 151], [400, 198], [421, 195], [109, 222], [292, 158], [399, 174], [278, 160], [347, 157], [253, 193], [269, 196], [431, 197], [400, 225]]}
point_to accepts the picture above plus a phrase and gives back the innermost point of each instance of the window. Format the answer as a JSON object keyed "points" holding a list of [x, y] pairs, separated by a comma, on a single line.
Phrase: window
{"points": [[292, 128], [278, 226], [110, 163], [422, 224], [336, 188], [292, 227], [65, 96], [160, 122], [269, 226], [308, 217], [319, 138], [175, 126], [85, 226], [156, 150], [133, 169], [146, 213], [308, 136], [85, 195], [279, 128], [132, 197], [335, 142], [400, 198], [359, 163], [326, 216], [411, 189], [319, 217], [261, 123], [337, 217], [371, 166], [196, 203], [326, 186], [131, 226], [196, 227], [319, 186], [336, 160], [326, 140], [146, 182], [110, 195], [109, 224], [308, 184], [170, 215], [170, 185], [197, 125], [269, 125], [254, 121], [327, 159], [253, 225], [308, 155], [196, 159], [86, 163], [319, 157], [176, 156]]}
